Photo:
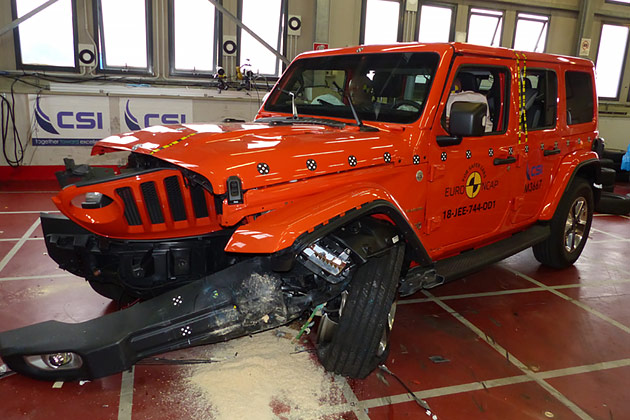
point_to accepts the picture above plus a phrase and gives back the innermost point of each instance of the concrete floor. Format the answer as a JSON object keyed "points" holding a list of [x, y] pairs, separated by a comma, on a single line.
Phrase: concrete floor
{"points": [[516, 340]]}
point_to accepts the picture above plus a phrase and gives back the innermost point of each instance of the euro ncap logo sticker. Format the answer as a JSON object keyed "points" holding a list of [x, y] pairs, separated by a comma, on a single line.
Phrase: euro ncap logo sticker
{"points": [[473, 184], [130, 119], [43, 120]]}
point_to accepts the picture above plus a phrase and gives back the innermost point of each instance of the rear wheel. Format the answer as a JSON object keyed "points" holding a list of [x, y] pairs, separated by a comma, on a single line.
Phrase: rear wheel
{"points": [[570, 227], [353, 338]]}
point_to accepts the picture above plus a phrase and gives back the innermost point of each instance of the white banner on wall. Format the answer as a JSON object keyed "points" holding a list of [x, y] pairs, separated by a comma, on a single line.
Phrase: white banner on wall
{"points": [[60, 120], [139, 113]]}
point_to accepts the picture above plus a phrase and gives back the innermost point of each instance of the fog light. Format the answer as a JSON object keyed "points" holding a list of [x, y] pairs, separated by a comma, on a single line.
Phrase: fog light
{"points": [[59, 359], [55, 361], [95, 200]]}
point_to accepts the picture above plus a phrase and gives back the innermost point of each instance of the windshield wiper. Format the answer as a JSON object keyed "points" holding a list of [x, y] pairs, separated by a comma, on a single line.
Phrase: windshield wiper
{"points": [[300, 120], [293, 107], [359, 123]]}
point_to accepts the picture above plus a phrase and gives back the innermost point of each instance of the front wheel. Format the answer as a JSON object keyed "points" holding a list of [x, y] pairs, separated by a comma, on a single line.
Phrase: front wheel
{"points": [[570, 227], [356, 341]]}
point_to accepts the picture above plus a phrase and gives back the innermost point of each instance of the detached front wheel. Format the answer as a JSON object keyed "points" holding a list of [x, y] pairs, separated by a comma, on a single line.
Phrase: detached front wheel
{"points": [[354, 339], [570, 227]]}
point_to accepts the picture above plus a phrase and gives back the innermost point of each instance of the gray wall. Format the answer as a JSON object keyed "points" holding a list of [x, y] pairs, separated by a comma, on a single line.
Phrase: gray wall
{"points": [[338, 23]]}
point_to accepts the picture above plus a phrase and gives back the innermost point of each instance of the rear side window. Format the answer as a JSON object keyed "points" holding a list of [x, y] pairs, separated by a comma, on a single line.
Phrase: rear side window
{"points": [[579, 92], [541, 94]]}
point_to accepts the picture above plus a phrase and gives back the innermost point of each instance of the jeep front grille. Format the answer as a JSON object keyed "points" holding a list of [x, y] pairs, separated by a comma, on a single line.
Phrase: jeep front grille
{"points": [[144, 205], [151, 200], [198, 196], [131, 210], [175, 199]]}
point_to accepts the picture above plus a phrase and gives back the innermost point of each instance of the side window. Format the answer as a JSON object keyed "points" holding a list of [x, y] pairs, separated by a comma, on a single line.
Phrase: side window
{"points": [[487, 85], [579, 93], [541, 94]]}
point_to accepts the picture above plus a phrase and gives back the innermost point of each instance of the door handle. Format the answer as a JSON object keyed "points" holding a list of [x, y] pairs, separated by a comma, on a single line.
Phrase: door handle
{"points": [[551, 152], [505, 161]]}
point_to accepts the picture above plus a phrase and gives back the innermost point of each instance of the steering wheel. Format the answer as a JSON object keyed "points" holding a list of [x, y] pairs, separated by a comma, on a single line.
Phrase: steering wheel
{"points": [[400, 102]]}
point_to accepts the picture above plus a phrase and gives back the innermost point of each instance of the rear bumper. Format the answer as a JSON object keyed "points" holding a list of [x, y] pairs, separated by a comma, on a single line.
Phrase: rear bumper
{"points": [[239, 300]]}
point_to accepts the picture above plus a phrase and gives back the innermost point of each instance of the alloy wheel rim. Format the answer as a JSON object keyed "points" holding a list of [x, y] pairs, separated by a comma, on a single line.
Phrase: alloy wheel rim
{"points": [[575, 225], [384, 342]]}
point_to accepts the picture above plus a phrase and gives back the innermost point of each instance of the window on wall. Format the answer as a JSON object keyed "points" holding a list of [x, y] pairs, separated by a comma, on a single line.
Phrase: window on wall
{"points": [[124, 35], [485, 27], [381, 21], [531, 32], [193, 40], [610, 57], [436, 23], [264, 18], [48, 37]]}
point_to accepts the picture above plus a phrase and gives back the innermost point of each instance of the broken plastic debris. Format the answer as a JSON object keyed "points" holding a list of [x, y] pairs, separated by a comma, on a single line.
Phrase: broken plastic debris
{"points": [[382, 378], [438, 359]]}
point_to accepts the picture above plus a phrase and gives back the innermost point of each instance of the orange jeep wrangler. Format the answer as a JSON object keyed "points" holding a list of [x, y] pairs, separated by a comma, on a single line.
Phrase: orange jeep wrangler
{"points": [[368, 172]]}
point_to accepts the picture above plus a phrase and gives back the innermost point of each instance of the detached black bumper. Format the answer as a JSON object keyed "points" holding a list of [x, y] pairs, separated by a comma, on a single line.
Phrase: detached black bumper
{"points": [[239, 300]]}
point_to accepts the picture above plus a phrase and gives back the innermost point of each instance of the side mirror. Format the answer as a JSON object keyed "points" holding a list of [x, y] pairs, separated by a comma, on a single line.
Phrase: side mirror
{"points": [[467, 119]]}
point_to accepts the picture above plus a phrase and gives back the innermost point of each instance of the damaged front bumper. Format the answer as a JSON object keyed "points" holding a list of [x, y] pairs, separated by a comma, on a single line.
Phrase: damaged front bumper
{"points": [[242, 299]]}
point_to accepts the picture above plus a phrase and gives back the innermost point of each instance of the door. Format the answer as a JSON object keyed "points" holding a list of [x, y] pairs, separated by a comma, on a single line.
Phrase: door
{"points": [[470, 191]]}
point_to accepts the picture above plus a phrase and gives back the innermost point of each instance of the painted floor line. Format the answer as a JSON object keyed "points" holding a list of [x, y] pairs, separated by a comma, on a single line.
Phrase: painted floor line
{"points": [[42, 276], [473, 295], [512, 359], [516, 291], [608, 233], [576, 370], [17, 239], [29, 192], [125, 405], [18, 245], [29, 212], [475, 386], [607, 241], [578, 303]]}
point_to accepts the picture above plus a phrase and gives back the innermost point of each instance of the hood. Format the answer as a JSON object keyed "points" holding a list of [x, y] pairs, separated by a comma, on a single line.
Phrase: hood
{"points": [[261, 154]]}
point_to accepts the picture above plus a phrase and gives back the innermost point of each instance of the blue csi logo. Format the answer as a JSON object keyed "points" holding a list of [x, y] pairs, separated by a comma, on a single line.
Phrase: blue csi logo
{"points": [[151, 119], [533, 171], [82, 120]]}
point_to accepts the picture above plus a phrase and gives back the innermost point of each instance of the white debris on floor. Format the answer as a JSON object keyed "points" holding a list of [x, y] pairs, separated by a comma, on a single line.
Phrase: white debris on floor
{"points": [[263, 377]]}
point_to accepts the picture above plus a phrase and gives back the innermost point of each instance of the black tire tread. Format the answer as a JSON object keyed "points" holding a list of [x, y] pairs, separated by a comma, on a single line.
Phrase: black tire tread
{"points": [[352, 351], [551, 251], [611, 203]]}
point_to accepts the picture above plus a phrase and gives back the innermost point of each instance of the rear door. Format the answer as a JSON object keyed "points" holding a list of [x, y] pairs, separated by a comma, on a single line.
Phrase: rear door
{"points": [[470, 189], [541, 147]]}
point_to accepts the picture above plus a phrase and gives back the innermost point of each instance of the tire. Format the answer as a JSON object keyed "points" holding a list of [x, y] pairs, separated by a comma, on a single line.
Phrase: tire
{"points": [[614, 154], [623, 176], [611, 203], [570, 227], [607, 163], [607, 179], [360, 340]]}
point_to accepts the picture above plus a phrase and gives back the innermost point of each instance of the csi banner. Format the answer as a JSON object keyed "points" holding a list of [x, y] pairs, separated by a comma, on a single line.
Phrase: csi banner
{"points": [[139, 113], [69, 120]]}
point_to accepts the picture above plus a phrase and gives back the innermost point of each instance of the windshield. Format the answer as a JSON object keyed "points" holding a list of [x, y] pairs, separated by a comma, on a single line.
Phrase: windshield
{"points": [[388, 87]]}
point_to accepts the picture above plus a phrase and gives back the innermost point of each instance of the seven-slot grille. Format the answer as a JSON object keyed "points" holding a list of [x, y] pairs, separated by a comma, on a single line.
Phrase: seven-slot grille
{"points": [[152, 195]]}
